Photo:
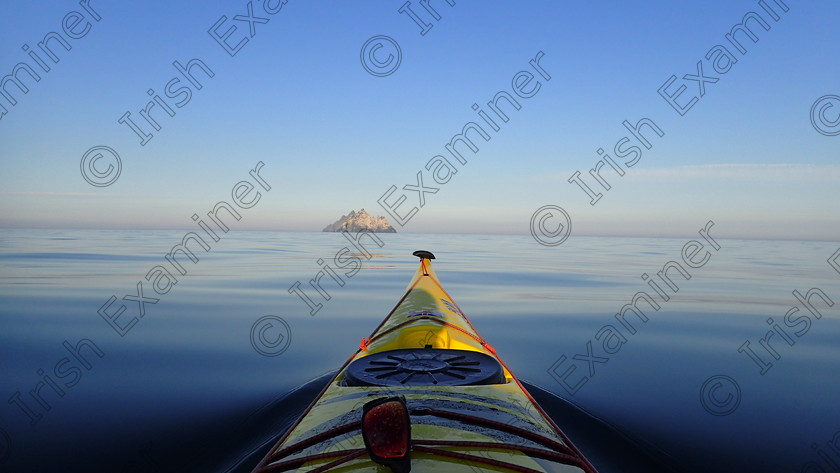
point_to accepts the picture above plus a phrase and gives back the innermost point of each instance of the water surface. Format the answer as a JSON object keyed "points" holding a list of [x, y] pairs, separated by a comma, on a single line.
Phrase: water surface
{"points": [[184, 389]]}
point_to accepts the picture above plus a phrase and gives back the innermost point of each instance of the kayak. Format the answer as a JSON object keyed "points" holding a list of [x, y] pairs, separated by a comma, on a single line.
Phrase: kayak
{"points": [[424, 393]]}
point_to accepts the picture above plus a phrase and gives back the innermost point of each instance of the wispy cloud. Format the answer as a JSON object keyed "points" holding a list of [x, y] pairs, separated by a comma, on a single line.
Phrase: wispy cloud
{"points": [[53, 195], [749, 172]]}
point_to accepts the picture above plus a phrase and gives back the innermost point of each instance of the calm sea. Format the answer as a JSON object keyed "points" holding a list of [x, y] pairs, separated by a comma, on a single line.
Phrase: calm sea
{"points": [[205, 376]]}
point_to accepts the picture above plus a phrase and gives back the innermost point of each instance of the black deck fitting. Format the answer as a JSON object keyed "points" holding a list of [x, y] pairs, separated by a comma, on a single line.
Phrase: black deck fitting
{"points": [[423, 254]]}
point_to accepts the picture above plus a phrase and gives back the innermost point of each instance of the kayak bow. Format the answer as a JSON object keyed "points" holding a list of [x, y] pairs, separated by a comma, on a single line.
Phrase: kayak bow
{"points": [[424, 393]]}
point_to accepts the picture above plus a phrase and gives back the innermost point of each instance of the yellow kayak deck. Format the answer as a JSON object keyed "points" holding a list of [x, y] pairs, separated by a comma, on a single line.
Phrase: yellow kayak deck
{"points": [[468, 412]]}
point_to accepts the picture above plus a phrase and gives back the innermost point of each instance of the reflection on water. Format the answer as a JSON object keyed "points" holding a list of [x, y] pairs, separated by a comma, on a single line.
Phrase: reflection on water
{"points": [[183, 388]]}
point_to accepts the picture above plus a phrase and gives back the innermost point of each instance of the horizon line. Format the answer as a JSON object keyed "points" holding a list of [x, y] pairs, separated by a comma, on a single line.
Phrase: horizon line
{"points": [[267, 230]]}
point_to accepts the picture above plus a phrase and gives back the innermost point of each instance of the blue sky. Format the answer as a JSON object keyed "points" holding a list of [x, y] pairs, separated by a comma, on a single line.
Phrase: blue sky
{"points": [[334, 137]]}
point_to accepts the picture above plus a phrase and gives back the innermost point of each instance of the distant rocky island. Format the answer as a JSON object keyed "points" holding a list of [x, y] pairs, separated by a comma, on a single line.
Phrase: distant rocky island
{"points": [[360, 221]]}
